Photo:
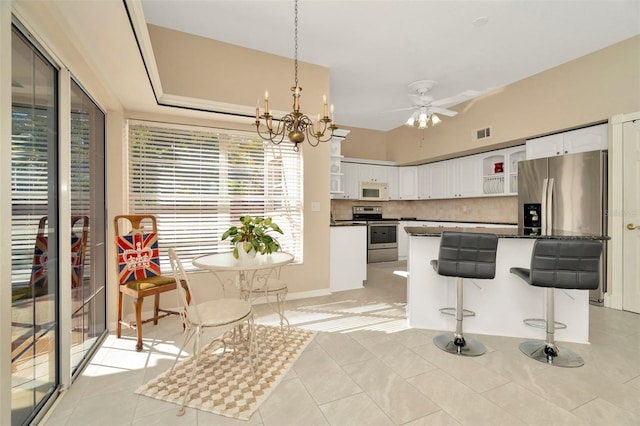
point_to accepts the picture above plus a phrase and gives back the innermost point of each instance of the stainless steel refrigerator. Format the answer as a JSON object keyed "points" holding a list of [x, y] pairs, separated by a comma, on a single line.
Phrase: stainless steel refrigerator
{"points": [[567, 194]]}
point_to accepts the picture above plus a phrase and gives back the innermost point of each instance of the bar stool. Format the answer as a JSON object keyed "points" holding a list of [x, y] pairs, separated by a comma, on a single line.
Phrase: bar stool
{"points": [[563, 264], [464, 255]]}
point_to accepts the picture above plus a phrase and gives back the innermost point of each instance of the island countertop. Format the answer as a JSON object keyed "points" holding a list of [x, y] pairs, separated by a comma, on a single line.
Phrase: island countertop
{"points": [[432, 231]]}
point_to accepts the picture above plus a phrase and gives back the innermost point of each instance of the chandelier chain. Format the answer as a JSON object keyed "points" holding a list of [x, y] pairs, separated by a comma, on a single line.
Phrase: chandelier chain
{"points": [[296, 42], [295, 125]]}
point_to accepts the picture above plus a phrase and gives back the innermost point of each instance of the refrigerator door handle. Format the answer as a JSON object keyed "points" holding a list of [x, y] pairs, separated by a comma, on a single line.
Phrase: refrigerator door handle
{"points": [[545, 189], [549, 212]]}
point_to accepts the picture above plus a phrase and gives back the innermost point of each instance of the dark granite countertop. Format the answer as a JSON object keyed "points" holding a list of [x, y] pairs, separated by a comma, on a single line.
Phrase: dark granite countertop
{"points": [[349, 223], [429, 231], [411, 219]]}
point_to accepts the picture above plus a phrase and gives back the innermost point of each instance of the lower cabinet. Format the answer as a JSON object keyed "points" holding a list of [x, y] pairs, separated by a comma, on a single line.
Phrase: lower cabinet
{"points": [[348, 257]]}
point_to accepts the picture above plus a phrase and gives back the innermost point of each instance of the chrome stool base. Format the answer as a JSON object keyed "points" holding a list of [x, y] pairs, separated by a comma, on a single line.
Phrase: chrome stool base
{"points": [[552, 355], [468, 347]]}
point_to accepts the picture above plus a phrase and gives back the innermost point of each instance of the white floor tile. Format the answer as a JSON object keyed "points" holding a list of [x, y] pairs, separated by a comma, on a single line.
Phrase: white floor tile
{"points": [[367, 367]]}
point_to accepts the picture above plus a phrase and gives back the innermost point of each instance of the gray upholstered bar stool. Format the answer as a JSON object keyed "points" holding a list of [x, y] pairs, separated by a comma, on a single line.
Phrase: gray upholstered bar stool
{"points": [[464, 255], [563, 264]]}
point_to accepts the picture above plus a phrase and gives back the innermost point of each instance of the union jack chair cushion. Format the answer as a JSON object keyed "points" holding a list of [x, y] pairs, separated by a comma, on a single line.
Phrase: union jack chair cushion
{"points": [[139, 261]]}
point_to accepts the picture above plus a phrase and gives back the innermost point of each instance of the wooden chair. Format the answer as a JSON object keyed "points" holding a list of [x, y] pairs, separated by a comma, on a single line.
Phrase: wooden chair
{"points": [[139, 274]]}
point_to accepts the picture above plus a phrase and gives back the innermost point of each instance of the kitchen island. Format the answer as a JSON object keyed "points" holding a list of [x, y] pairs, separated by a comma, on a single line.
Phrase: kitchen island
{"points": [[500, 304]]}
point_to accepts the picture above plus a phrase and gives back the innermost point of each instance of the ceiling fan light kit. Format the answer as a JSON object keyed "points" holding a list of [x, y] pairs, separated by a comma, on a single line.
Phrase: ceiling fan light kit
{"points": [[427, 107]]}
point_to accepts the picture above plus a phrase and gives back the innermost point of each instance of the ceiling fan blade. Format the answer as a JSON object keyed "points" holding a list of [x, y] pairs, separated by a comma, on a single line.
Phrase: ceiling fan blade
{"points": [[402, 109], [443, 111], [453, 100]]}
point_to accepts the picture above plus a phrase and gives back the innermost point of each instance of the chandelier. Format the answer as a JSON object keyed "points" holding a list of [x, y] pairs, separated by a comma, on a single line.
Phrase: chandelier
{"points": [[421, 119], [295, 125]]}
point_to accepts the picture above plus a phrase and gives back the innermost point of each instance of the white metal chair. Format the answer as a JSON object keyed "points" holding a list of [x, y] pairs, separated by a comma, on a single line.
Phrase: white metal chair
{"points": [[273, 287], [224, 313]]}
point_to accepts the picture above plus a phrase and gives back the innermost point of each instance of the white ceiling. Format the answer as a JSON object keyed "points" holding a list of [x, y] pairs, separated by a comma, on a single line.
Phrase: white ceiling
{"points": [[374, 49]]}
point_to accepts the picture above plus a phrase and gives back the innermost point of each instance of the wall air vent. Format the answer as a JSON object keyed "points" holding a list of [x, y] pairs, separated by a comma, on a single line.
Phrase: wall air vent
{"points": [[483, 133]]}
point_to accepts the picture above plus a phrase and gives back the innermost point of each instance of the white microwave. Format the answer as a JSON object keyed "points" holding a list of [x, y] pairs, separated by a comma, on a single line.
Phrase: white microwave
{"points": [[373, 191]]}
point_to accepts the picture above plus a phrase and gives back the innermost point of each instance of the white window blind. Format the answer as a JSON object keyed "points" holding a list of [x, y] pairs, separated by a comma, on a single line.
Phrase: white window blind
{"points": [[199, 181]]}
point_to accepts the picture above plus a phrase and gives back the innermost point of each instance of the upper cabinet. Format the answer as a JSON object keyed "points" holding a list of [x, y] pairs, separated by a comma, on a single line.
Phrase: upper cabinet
{"points": [[432, 181], [373, 173], [592, 138], [335, 165], [514, 156], [488, 174], [394, 185], [349, 181], [464, 177], [408, 183]]}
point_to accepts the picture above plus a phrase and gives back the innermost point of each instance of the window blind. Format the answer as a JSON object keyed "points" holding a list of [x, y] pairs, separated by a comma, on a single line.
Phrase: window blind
{"points": [[199, 181]]}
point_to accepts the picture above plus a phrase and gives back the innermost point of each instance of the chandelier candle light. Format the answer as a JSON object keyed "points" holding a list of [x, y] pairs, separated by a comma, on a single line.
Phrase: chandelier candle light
{"points": [[295, 124]]}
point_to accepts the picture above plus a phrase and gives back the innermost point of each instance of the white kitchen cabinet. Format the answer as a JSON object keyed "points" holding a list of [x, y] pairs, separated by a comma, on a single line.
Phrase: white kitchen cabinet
{"points": [[592, 138], [436, 183], [456, 178], [348, 257], [392, 174], [424, 187], [514, 155], [349, 181], [372, 173], [464, 177], [408, 183]]}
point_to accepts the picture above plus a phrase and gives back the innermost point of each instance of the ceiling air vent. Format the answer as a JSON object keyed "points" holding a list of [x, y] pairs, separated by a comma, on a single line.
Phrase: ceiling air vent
{"points": [[483, 133]]}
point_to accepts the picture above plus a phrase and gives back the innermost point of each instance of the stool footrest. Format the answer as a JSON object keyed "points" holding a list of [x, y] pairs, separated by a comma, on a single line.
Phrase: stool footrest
{"points": [[542, 323], [452, 312]]}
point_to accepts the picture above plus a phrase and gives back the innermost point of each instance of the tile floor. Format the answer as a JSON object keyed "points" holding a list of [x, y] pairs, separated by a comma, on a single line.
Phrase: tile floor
{"points": [[366, 367]]}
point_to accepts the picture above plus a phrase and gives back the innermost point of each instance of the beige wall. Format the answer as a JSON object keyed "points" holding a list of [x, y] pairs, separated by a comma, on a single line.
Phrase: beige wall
{"points": [[201, 68], [358, 139], [586, 90]]}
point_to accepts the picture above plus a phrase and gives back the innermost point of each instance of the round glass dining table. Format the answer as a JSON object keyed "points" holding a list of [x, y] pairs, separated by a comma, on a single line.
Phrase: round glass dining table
{"points": [[226, 261]]}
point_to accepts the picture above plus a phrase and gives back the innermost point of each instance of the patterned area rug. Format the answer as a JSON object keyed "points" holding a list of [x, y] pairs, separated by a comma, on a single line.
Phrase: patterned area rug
{"points": [[223, 383]]}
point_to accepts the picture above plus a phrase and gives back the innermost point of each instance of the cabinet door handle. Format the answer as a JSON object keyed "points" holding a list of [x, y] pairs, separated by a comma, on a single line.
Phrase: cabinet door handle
{"points": [[631, 227]]}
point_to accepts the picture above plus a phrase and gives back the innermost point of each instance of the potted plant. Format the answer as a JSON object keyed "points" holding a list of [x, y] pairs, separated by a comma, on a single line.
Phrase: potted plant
{"points": [[253, 234]]}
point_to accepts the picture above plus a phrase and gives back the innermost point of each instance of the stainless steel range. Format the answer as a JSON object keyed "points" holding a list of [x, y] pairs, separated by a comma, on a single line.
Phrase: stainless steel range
{"points": [[382, 240]]}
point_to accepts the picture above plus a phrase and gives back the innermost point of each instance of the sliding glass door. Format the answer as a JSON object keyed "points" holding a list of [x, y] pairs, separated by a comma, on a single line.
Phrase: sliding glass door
{"points": [[88, 294], [34, 224], [40, 359]]}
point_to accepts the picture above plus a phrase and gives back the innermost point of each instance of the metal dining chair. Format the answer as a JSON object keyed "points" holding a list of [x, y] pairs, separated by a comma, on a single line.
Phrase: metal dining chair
{"points": [[225, 313]]}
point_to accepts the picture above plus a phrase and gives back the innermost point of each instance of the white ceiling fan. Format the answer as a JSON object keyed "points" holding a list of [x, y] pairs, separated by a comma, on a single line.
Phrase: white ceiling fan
{"points": [[426, 106]]}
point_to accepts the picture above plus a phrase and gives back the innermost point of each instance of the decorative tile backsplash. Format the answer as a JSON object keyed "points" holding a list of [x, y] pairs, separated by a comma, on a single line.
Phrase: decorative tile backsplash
{"points": [[485, 209]]}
